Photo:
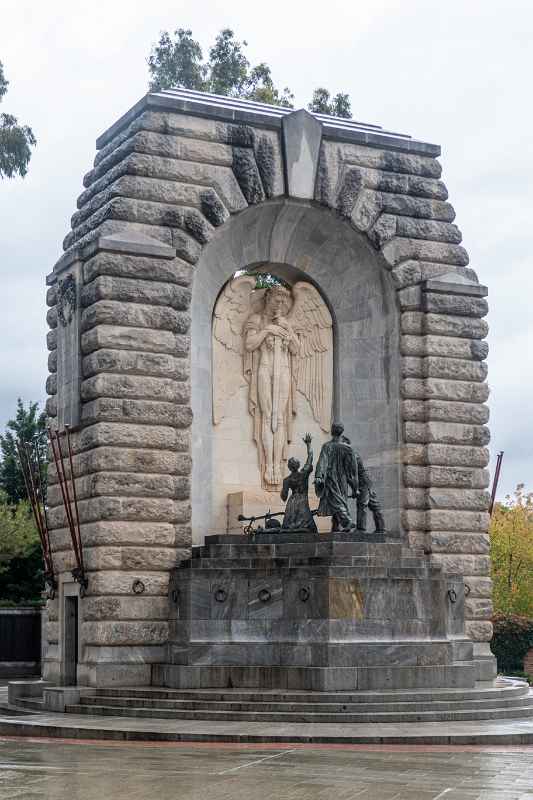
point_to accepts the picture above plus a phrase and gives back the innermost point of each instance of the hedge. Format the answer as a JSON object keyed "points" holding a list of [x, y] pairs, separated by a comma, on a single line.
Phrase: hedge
{"points": [[512, 639]]}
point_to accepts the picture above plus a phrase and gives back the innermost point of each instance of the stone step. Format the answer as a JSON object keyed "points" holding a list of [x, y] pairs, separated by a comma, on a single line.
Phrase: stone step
{"points": [[515, 712], [513, 691], [299, 708], [390, 553], [33, 703]]}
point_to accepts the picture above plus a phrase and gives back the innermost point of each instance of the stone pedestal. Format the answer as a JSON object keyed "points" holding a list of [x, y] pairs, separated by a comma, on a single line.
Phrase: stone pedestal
{"points": [[334, 612]]}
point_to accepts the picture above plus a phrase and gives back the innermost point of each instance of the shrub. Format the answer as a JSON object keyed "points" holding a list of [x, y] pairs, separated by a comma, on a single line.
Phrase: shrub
{"points": [[512, 639]]}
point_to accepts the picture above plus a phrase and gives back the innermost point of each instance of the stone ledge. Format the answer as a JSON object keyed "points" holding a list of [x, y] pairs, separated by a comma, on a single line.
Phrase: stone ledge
{"points": [[454, 283]]}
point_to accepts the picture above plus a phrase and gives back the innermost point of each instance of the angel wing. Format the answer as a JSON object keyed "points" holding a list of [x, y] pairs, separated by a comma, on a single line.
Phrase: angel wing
{"points": [[313, 366], [237, 301]]}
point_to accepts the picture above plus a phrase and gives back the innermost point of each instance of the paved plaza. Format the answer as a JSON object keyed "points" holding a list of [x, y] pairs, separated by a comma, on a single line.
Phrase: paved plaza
{"points": [[35, 770]]}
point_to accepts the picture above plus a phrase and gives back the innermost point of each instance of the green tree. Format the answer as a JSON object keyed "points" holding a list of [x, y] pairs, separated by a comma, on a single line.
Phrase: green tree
{"points": [[323, 103], [28, 425], [21, 568], [178, 62], [511, 538], [16, 140]]}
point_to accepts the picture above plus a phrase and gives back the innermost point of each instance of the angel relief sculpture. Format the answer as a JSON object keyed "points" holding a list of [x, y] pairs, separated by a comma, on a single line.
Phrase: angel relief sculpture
{"points": [[277, 341]]}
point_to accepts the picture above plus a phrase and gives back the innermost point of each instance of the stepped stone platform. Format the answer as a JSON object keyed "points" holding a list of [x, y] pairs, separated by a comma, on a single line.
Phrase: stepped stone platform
{"points": [[497, 713], [335, 612]]}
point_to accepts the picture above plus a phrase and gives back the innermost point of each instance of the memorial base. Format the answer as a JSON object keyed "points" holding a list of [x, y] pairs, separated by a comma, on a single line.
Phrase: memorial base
{"points": [[333, 612]]}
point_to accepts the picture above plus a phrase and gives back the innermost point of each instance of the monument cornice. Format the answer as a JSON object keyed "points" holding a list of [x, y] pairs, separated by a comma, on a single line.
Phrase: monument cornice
{"points": [[230, 109]]}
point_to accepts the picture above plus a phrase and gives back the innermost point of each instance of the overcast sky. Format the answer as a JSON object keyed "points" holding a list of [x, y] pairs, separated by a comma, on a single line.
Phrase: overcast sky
{"points": [[457, 73]]}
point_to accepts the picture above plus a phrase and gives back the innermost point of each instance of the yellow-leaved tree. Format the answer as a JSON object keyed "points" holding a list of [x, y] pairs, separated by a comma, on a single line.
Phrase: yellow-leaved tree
{"points": [[511, 549]]}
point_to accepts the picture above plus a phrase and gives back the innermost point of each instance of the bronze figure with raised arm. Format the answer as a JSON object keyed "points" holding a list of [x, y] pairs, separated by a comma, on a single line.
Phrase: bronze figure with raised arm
{"points": [[298, 515]]}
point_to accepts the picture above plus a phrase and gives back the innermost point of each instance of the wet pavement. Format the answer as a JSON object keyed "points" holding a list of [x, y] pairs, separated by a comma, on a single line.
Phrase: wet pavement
{"points": [[65, 770]]}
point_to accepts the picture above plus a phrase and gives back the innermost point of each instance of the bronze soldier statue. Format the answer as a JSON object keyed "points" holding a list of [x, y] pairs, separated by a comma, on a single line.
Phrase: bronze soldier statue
{"points": [[335, 476], [366, 497]]}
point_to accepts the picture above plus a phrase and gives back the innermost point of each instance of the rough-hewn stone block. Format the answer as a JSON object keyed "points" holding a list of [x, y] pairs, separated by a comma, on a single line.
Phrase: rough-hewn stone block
{"points": [[458, 369], [128, 459], [446, 433], [437, 303], [125, 290], [146, 340], [423, 208], [160, 509], [221, 179], [122, 633], [478, 608], [111, 312], [441, 346], [478, 631], [445, 411], [122, 265], [463, 564], [476, 586], [133, 608], [135, 387], [132, 362], [401, 249], [430, 230], [110, 434], [446, 498], [419, 323], [161, 144], [120, 583], [108, 409], [51, 406], [441, 389], [51, 317], [453, 542], [144, 189], [460, 477], [388, 160], [51, 339], [136, 534], [128, 484]]}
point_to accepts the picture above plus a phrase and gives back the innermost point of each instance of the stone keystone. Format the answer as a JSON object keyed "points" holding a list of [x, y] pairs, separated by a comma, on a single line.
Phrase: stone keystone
{"points": [[302, 136]]}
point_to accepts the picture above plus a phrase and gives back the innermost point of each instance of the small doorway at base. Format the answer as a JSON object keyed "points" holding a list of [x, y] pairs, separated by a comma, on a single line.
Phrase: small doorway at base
{"points": [[70, 657]]}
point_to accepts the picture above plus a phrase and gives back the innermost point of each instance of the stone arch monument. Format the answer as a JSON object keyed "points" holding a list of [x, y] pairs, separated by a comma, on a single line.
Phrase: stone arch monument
{"points": [[187, 191]]}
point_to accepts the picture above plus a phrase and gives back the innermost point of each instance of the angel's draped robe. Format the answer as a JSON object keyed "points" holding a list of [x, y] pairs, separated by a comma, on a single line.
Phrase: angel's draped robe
{"points": [[336, 473], [251, 363]]}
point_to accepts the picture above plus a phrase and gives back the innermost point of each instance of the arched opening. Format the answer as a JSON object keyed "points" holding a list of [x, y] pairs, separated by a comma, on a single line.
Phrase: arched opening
{"points": [[302, 242]]}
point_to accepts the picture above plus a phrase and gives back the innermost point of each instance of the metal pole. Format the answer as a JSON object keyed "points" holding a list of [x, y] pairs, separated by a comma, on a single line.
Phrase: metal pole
{"points": [[64, 493], [73, 482], [499, 460]]}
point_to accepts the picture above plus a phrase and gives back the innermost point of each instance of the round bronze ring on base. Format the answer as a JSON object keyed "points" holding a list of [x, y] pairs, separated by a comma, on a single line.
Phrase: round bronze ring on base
{"points": [[452, 594], [264, 595], [304, 594], [221, 595]]}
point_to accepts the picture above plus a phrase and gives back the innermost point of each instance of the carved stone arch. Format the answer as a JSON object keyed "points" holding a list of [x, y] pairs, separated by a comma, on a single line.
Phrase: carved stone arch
{"points": [[312, 243]]}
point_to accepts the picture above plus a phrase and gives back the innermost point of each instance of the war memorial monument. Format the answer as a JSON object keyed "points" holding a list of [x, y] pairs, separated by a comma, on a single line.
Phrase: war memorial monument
{"points": [[251, 301]]}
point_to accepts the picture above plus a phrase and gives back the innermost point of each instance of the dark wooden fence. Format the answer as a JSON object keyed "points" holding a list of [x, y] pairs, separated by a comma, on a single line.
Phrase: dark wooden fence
{"points": [[20, 641]]}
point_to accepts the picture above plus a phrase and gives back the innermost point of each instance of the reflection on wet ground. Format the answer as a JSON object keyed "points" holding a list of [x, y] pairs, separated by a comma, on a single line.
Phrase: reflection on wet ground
{"points": [[68, 770]]}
